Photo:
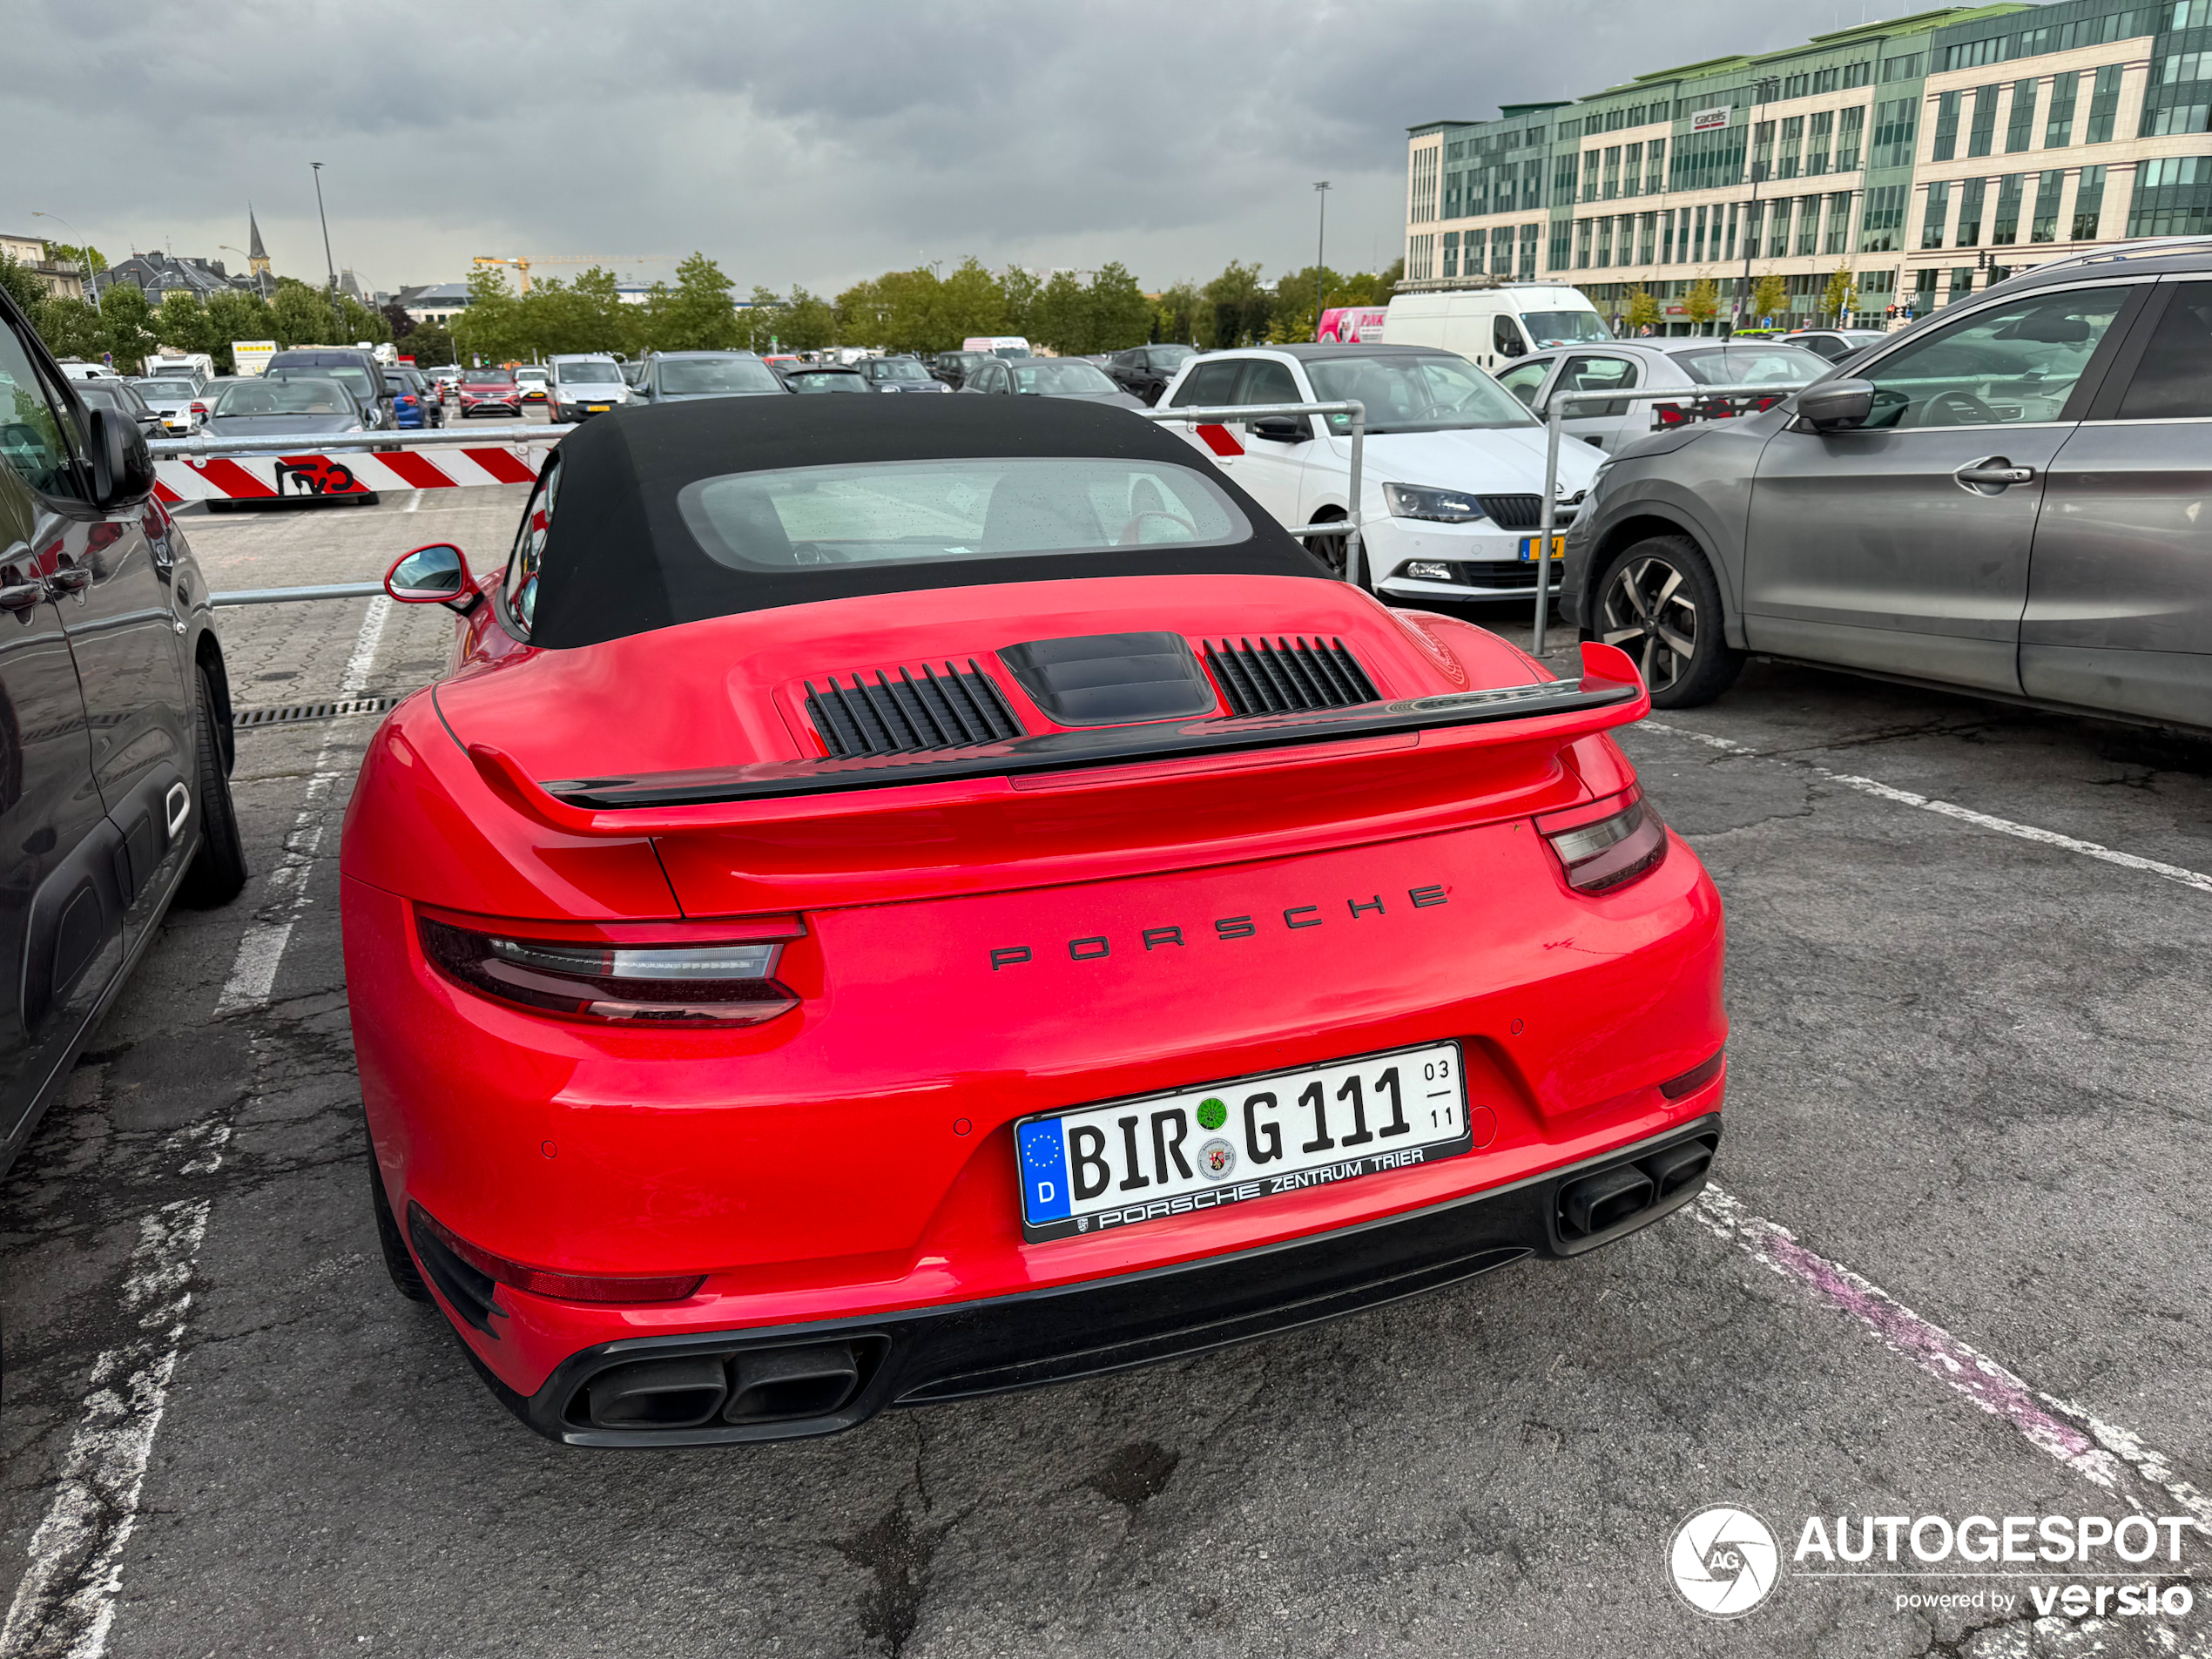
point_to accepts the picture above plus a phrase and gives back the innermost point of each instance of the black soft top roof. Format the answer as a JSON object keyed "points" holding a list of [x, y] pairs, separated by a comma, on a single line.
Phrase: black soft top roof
{"points": [[618, 558]]}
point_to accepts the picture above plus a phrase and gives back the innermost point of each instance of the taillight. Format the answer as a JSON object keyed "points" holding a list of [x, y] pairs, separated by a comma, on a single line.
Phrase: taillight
{"points": [[1606, 845], [540, 1281], [727, 983], [1670, 414], [200, 409]]}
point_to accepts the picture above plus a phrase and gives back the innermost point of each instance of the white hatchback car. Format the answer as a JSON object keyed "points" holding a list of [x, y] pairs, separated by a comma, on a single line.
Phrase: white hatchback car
{"points": [[1452, 479]]}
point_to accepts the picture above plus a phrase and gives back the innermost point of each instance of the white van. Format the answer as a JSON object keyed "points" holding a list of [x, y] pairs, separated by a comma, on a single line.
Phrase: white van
{"points": [[1493, 326], [998, 345]]}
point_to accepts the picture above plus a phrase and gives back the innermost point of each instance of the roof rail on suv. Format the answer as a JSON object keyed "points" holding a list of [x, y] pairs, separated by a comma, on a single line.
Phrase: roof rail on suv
{"points": [[2149, 248]]}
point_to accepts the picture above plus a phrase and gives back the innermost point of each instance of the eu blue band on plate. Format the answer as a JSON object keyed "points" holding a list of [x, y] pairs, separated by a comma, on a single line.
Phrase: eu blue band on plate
{"points": [[1044, 1171]]}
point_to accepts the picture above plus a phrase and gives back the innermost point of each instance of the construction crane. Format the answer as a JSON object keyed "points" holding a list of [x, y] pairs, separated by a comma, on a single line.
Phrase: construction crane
{"points": [[523, 262]]}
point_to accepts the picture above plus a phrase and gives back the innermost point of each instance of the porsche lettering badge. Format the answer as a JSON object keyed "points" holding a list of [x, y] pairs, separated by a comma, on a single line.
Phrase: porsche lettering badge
{"points": [[1093, 948]]}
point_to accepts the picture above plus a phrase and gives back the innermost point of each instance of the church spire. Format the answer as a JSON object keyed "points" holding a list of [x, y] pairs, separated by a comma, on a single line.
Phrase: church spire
{"points": [[257, 256]]}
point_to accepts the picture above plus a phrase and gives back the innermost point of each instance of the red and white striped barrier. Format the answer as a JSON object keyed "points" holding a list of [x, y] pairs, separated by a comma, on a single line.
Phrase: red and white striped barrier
{"points": [[278, 477]]}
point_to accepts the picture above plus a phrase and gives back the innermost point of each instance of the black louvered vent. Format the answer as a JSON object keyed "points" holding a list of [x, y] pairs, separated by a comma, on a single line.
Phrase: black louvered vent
{"points": [[1286, 676], [1513, 512], [912, 712]]}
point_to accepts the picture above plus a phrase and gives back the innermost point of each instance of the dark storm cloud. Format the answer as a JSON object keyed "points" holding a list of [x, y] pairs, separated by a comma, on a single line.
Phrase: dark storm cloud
{"points": [[794, 142]]}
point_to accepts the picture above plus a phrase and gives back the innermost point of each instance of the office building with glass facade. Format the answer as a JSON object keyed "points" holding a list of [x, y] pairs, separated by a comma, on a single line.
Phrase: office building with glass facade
{"points": [[1925, 157]]}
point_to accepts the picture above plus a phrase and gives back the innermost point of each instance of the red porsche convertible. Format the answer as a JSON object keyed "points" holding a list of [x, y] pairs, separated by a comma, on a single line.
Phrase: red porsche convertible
{"points": [[893, 904]]}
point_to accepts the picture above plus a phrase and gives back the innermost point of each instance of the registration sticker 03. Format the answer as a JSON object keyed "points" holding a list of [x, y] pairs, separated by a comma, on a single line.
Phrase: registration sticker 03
{"points": [[1095, 1168]]}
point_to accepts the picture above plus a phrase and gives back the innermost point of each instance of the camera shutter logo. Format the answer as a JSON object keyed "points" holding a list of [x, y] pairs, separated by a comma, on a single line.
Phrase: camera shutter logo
{"points": [[1723, 1560]]}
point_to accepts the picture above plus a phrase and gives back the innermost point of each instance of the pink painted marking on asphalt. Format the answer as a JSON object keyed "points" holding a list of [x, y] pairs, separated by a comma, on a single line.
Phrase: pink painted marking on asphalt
{"points": [[2110, 1457]]}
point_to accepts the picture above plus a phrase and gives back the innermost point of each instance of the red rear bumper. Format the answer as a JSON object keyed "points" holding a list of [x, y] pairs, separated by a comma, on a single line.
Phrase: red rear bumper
{"points": [[852, 1161]]}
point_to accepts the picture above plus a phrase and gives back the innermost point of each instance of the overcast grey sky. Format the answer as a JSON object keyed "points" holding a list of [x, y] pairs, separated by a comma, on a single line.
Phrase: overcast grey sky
{"points": [[803, 141]]}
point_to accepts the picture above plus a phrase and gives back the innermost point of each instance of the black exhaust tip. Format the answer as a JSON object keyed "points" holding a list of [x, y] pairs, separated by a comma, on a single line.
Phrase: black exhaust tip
{"points": [[776, 1385], [1677, 1166], [1606, 1199], [659, 1393]]}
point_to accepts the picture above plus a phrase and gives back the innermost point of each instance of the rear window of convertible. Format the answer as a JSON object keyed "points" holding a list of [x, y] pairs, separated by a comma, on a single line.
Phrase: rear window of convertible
{"points": [[929, 512]]}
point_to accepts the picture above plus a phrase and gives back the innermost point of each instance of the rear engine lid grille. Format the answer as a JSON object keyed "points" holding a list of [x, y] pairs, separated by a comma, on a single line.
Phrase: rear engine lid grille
{"points": [[1286, 676], [908, 715]]}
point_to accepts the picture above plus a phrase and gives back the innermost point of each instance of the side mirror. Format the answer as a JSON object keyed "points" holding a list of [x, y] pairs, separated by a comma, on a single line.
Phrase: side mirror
{"points": [[1836, 406], [436, 575], [122, 465], [1282, 429]]}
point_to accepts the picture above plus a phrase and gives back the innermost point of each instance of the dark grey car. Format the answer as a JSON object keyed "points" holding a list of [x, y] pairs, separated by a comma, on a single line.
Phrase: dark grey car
{"points": [[679, 376], [266, 407], [2005, 498], [1048, 377]]}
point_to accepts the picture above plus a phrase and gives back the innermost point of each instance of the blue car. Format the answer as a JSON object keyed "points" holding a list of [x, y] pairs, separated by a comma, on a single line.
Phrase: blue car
{"points": [[413, 401]]}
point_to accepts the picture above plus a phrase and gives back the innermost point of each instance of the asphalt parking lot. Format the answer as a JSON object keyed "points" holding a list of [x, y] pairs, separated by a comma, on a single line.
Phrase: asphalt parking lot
{"points": [[1954, 1265]]}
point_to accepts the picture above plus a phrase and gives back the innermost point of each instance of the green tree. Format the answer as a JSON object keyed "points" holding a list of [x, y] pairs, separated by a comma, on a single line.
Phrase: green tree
{"points": [[86, 258], [808, 323], [182, 322], [234, 315], [492, 326], [972, 302], [126, 320], [756, 323], [696, 314], [1120, 315], [1060, 316], [1840, 298], [22, 285], [1175, 314], [72, 328], [1297, 316], [299, 316], [1021, 289], [864, 312], [1643, 310], [1770, 297], [1703, 302], [431, 347], [1238, 310]]}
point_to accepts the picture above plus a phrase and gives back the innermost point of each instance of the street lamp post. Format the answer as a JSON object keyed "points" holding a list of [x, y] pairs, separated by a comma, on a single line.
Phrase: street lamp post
{"points": [[1320, 252], [98, 304], [330, 265]]}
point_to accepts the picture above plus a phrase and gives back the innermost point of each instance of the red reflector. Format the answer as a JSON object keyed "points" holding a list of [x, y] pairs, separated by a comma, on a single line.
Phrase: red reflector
{"points": [[569, 1287], [1695, 1079], [1600, 849]]}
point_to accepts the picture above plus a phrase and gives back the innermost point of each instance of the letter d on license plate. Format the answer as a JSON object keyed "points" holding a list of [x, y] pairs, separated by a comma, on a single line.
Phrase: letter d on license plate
{"points": [[1095, 1168]]}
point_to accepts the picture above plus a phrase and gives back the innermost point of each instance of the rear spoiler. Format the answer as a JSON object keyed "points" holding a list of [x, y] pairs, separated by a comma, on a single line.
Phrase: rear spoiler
{"points": [[1609, 689]]}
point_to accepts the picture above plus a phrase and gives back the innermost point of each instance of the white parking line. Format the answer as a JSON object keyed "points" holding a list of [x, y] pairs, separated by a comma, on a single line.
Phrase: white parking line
{"points": [[1880, 790], [261, 947], [2112, 1458], [66, 1600], [65, 1603]]}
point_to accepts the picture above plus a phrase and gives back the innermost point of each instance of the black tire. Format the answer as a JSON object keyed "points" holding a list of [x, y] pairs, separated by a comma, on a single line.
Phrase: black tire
{"points": [[1660, 604], [217, 874], [399, 1262]]}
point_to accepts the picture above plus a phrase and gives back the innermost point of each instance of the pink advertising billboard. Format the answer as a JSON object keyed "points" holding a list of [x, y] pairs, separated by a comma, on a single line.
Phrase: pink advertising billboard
{"points": [[1351, 325]]}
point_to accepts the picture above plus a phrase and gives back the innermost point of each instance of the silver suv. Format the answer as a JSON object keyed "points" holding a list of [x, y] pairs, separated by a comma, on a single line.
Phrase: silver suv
{"points": [[2007, 497]]}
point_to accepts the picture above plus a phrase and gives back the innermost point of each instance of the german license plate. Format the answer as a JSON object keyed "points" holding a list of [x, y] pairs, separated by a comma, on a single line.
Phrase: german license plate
{"points": [[1529, 548], [1096, 1167]]}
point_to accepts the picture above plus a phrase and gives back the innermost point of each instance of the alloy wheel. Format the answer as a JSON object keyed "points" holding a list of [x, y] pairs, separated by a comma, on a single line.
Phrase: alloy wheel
{"points": [[1649, 612]]}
